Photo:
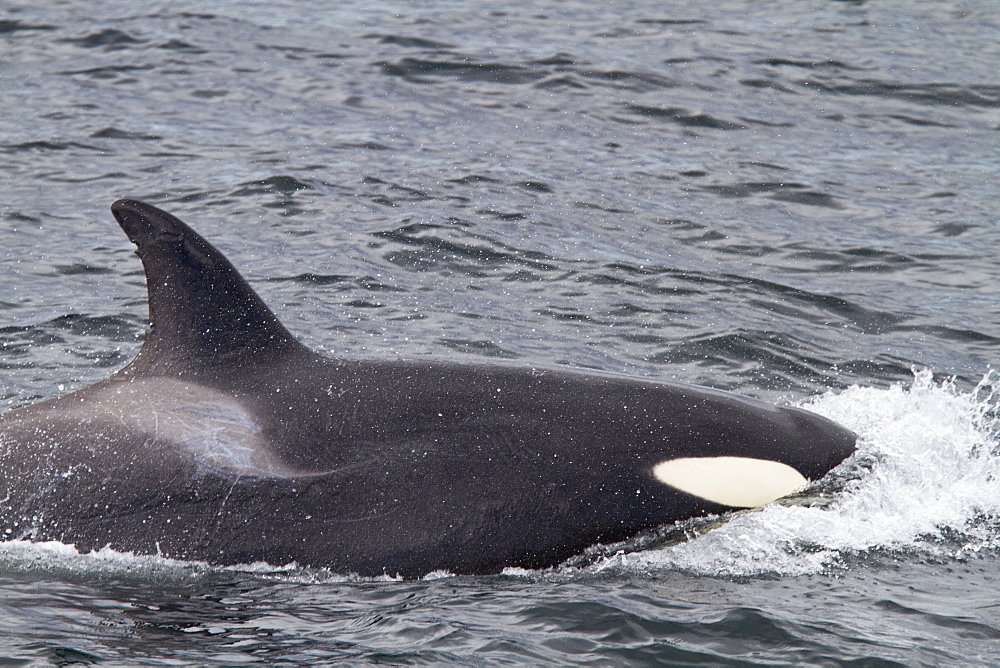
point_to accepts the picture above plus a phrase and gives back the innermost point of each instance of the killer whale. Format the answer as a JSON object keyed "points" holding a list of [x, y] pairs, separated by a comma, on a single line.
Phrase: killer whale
{"points": [[227, 440]]}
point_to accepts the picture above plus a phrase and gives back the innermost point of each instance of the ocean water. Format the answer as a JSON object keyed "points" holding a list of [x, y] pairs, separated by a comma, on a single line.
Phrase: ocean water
{"points": [[793, 200]]}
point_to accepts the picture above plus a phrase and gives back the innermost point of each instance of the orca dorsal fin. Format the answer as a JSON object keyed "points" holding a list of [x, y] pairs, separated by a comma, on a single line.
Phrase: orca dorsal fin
{"points": [[202, 313]]}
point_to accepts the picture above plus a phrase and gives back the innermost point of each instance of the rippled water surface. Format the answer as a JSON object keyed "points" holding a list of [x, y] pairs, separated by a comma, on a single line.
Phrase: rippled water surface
{"points": [[794, 200]]}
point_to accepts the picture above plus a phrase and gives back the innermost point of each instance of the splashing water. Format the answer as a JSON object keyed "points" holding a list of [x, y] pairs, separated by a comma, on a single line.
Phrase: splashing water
{"points": [[925, 479]]}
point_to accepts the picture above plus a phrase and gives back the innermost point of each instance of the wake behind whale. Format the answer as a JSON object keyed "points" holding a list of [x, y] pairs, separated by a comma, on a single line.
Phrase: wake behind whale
{"points": [[226, 440]]}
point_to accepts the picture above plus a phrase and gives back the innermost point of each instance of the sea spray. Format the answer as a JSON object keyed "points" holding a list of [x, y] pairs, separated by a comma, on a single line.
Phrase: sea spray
{"points": [[925, 479]]}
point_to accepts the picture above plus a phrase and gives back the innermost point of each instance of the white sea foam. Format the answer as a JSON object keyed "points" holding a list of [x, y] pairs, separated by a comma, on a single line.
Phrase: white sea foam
{"points": [[926, 478], [60, 558], [53, 556]]}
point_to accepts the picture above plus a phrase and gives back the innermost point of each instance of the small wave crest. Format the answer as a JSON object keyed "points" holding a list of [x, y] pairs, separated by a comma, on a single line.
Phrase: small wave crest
{"points": [[62, 560]]}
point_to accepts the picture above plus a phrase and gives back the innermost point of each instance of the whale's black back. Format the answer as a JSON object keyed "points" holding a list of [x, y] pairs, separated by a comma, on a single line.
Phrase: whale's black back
{"points": [[228, 441]]}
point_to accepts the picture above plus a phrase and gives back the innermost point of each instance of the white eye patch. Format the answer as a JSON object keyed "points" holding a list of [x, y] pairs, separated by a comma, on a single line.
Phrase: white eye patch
{"points": [[738, 482]]}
